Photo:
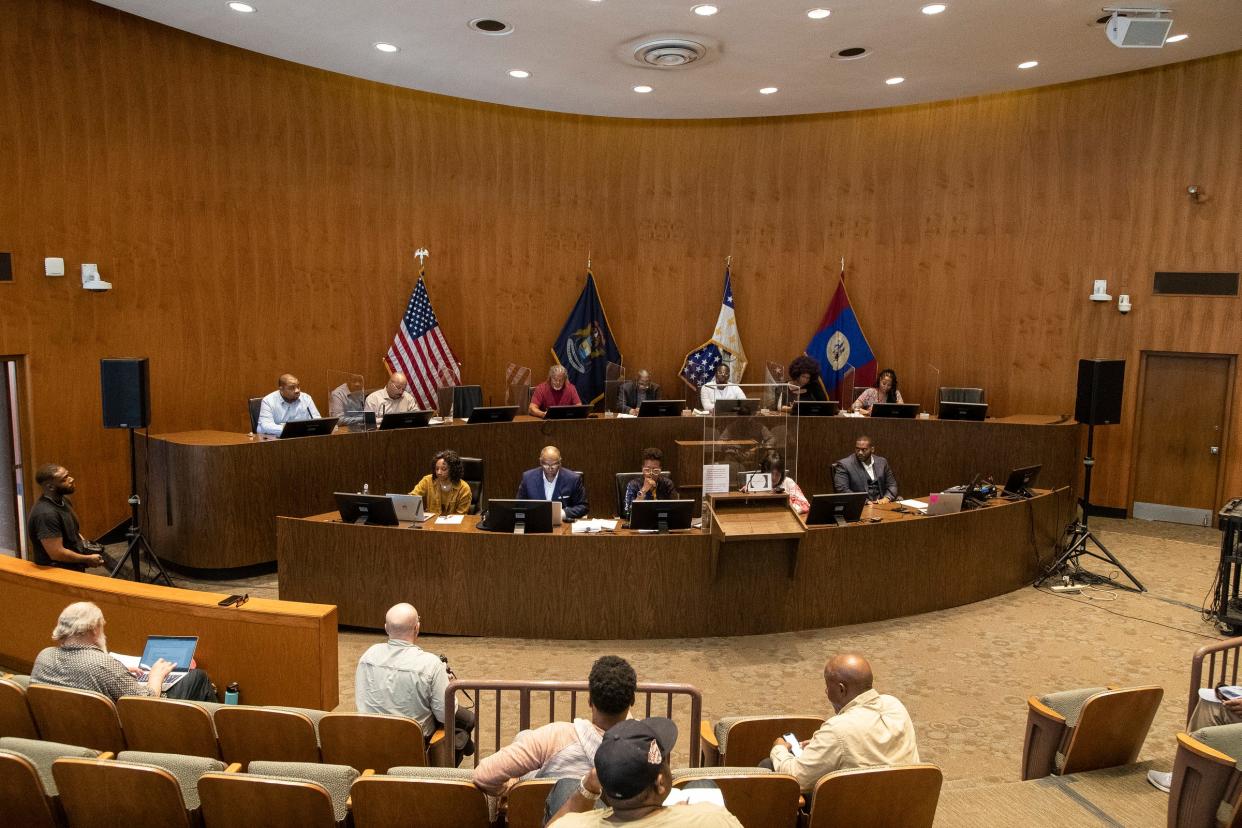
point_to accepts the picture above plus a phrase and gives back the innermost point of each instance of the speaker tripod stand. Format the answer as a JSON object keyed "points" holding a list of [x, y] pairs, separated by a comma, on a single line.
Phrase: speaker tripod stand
{"points": [[1078, 536], [136, 545]]}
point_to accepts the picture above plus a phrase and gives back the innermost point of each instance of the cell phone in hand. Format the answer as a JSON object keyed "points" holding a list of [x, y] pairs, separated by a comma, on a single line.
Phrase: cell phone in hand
{"points": [[795, 747], [1228, 693]]}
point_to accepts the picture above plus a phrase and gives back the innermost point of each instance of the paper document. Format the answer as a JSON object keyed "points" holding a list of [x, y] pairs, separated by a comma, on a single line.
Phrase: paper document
{"points": [[583, 527], [914, 504], [715, 478], [449, 520], [133, 663], [693, 796], [621, 415]]}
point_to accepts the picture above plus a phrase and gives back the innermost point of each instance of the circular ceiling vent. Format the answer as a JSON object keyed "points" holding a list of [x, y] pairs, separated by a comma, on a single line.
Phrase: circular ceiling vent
{"points": [[852, 53], [669, 53], [488, 26]]}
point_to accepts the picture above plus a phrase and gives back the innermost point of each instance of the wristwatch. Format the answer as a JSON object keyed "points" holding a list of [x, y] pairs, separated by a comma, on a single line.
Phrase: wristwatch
{"points": [[584, 793]]}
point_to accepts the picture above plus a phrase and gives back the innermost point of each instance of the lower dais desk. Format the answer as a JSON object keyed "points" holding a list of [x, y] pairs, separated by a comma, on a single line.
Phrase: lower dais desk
{"points": [[629, 585]]}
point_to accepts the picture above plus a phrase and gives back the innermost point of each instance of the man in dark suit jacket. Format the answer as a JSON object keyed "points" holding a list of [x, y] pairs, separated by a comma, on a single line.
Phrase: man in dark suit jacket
{"points": [[552, 482], [630, 394], [865, 471]]}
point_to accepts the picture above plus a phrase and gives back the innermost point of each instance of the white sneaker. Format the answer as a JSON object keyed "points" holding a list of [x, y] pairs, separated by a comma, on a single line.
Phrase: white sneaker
{"points": [[1161, 781]]}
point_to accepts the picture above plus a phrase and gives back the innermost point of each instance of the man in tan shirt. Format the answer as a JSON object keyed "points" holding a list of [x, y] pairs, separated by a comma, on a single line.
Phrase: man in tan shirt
{"points": [[868, 729]]}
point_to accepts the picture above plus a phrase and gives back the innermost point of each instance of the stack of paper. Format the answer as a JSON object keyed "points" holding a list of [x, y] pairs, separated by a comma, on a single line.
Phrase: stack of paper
{"points": [[449, 520], [583, 527]]}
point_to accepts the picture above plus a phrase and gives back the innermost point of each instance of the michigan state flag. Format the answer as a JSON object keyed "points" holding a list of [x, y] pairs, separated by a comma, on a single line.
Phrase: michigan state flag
{"points": [[585, 345], [839, 345]]}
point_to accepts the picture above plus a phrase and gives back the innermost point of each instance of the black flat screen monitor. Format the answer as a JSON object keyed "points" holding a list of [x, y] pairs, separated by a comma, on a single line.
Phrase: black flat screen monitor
{"points": [[521, 517], [406, 419], [963, 411], [838, 509], [661, 408], [816, 408], [568, 412], [493, 414], [373, 510], [661, 515], [308, 428], [745, 407], [1020, 481], [906, 411]]}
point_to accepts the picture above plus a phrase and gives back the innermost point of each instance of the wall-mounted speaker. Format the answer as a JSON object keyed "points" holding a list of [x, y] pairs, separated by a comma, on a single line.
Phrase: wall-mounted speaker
{"points": [[1100, 383], [126, 393]]}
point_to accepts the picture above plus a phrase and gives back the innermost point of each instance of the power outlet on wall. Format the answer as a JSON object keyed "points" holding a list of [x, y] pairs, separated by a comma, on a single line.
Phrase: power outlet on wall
{"points": [[6, 267]]}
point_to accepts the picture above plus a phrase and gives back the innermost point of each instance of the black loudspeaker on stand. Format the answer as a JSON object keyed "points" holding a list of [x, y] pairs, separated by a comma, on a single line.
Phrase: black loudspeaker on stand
{"points": [[1100, 383], [126, 394]]}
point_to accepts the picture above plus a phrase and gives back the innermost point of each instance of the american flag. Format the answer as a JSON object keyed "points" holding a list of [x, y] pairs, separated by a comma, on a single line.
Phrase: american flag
{"points": [[725, 345], [420, 351]]}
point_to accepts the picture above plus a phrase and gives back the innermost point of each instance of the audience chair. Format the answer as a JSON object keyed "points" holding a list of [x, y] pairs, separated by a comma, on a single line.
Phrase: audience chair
{"points": [[130, 791], [335, 779], [525, 801], [961, 395], [254, 404], [371, 741], [43, 754], [420, 802], [23, 799], [1082, 730], [756, 796], [236, 800], [248, 733], [472, 473], [15, 717], [904, 795], [1211, 666], [745, 741], [76, 717], [1206, 777], [167, 726]]}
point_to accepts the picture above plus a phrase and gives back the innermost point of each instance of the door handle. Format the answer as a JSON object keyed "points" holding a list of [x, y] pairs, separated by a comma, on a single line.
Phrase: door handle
{"points": [[1214, 450]]}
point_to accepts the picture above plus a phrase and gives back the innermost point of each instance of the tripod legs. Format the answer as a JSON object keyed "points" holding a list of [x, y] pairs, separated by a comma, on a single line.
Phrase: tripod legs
{"points": [[1077, 536], [133, 553]]}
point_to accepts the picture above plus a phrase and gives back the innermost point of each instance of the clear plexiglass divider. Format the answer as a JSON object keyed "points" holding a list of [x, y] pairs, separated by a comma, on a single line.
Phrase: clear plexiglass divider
{"points": [[614, 378], [746, 429], [347, 396]]}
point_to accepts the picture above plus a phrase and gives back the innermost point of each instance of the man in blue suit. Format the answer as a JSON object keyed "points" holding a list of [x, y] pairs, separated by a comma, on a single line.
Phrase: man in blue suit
{"points": [[552, 482], [865, 471]]}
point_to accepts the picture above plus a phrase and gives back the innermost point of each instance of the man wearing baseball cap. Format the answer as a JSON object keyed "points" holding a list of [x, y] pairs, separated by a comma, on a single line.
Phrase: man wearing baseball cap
{"points": [[633, 777]]}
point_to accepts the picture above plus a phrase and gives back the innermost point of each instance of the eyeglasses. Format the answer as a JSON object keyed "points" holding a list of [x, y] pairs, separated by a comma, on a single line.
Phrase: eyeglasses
{"points": [[554, 464]]}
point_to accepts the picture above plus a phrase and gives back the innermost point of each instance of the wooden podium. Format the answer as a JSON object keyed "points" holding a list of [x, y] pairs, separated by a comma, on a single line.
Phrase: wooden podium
{"points": [[738, 516]]}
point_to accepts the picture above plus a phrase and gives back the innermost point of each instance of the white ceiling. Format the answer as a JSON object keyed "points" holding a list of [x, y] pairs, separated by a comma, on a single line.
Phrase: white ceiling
{"points": [[576, 50]]}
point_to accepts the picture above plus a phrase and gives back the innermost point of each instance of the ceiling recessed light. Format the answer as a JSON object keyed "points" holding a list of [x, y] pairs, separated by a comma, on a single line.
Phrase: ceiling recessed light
{"points": [[1028, 64], [705, 10], [768, 90], [244, 8], [895, 81], [387, 47], [852, 53], [818, 14], [519, 73], [642, 90], [488, 26], [1177, 38], [934, 8]]}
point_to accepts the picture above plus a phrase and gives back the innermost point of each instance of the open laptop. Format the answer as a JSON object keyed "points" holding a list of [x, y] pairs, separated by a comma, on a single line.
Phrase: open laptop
{"points": [[308, 428], [408, 507], [944, 503], [179, 649], [406, 419]]}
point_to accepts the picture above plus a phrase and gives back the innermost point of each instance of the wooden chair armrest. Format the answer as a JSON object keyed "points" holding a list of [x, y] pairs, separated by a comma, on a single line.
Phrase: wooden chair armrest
{"points": [[436, 738], [368, 772], [1196, 747], [107, 754], [233, 768], [1044, 710], [707, 735]]}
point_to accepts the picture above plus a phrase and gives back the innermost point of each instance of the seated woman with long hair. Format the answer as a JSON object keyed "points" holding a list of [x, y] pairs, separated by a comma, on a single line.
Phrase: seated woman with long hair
{"points": [[884, 390]]}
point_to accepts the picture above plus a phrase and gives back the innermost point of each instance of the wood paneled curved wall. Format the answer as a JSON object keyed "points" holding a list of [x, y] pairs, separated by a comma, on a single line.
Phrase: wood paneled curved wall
{"points": [[257, 216]]}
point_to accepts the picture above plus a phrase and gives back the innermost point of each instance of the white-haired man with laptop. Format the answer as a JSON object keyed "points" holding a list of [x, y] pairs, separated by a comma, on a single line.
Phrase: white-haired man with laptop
{"points": [[80, 660]]}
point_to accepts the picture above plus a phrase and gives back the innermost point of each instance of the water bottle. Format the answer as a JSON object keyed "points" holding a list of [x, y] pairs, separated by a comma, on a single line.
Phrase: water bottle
{"points": [[231, 693]]}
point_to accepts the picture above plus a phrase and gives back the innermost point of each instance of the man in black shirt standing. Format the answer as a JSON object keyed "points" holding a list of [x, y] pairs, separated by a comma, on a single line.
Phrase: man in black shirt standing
{"points": [[55, 539]]}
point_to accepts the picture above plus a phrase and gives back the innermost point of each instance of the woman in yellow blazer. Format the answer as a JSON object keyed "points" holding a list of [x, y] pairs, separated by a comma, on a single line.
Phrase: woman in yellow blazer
{"points": [[443, 491]]}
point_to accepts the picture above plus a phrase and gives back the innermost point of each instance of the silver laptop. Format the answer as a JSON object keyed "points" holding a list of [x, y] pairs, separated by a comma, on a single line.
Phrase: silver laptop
{"points": [[944, 503], [408, 507], [556, 513]]}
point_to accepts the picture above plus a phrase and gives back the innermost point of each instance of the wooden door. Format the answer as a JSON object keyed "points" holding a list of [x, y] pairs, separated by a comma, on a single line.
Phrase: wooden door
{"points": [[1181, 436]]}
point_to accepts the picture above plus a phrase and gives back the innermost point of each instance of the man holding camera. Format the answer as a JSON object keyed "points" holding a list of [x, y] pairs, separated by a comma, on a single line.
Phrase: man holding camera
{"points": [[402, 679], [55, 539]]}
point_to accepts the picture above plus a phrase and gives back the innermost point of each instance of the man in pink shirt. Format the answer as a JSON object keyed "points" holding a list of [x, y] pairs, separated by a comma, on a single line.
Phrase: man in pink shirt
{"points": [[558, 390], [564, 749]]}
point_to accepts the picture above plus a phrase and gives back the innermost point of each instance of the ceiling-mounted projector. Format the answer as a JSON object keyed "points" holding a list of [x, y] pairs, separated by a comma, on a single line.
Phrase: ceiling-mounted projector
{"points": [[1138, 28]]}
